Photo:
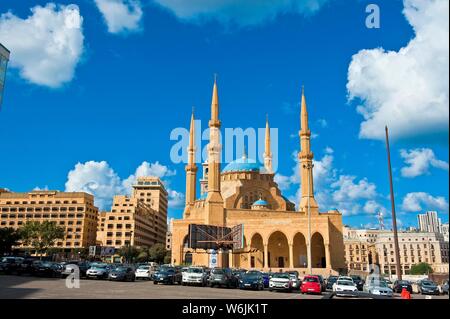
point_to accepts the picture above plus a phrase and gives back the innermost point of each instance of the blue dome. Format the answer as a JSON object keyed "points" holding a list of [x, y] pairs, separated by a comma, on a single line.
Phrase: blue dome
{"points": [[242, 165], [260, 202]]}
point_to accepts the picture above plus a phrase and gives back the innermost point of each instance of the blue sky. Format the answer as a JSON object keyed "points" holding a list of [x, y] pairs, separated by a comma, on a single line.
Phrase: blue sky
{"points": [[106, 94]]}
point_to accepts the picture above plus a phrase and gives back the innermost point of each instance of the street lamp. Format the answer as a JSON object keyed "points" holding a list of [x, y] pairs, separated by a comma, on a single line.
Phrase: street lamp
{"points": [[309, 166]]}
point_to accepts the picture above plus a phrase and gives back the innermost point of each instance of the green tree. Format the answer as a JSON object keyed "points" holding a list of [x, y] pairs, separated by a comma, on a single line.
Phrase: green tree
{"points": [[9, 237], [41, 236], [130, 253], [421, 269], [157, 253]]}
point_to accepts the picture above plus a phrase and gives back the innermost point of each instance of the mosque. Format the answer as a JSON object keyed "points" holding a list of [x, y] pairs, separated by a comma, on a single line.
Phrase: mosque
{"points": [[275, 233]]}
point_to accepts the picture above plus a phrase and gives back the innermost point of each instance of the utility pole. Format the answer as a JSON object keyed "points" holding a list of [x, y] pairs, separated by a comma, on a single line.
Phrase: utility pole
{"points": [[394, 219]]}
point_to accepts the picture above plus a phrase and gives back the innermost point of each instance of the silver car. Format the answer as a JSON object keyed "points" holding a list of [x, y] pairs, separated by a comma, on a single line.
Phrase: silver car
{"points": [[379, 288]]}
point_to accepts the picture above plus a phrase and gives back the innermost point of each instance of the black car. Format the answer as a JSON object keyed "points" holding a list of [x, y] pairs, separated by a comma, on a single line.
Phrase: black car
{"points": [[48, 269], [359, 282], [238, 273], [330, 282], [10, 265], [252, 280], [167, 275], [427, 287], [399, 285], [223, 277], [122, 273], [28, 267]]}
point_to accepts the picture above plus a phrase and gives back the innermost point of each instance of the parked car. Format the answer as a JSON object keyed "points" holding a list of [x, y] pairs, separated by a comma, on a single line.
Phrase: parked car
{"points": [[223, 277], [344, 286], [445, 287], [143, 272], [10, 265], [428, 287], [98, 271], [280, 281], [311, 284], [359, 282], [28, 267], [330, 282], [122, 273], [195, 276], [266, 278], [70, 267], [323, 285], [167, 275], [252, 280], [238, 273], [48, 269], [399, 285], [295, 281], [378, 287]]}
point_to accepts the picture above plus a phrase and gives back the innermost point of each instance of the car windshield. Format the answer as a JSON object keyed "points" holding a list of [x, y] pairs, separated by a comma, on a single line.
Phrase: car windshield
{"points": [[217, 271], [428, 283], [281, 275], [144, 267], [120, 269], [344, 283], [195, 270], [356, 278], [310, 279], [166, 269], [99, 266], [403, 282], [251, 274], [332, 279], [47, 264], [8, 260]]}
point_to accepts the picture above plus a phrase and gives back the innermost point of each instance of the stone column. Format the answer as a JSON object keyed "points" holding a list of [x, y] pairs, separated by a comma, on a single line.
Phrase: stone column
{"points": [[249, 261], [230, 259], [266, 256], [291, 255], [327, 256]]}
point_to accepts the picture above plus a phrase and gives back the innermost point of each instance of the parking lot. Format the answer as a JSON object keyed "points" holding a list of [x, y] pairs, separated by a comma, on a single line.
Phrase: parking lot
{"points": [[18, 287]]}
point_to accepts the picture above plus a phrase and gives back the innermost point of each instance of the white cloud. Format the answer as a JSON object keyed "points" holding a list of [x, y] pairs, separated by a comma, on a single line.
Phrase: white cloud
{"points": [[241, 13], [100, 180], [347, 190], [176, 199], [407, 90], [96, 178], [421, 201], [46, 46], [372, 207], [121, 15], [419, 161], [147, 169]]}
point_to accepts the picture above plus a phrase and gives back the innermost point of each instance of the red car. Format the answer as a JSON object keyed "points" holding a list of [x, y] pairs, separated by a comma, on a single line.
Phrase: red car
{"points": [[311, 284]]}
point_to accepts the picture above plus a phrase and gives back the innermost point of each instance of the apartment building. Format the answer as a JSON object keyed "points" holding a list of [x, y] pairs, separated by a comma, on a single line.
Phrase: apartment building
{"points": [[130, 222], [75, 211], [151, 191], [365, 247]]}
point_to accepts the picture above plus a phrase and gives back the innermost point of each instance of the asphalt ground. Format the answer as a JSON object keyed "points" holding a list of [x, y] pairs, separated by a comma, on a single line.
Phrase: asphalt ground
{"points": [[27, 287]]}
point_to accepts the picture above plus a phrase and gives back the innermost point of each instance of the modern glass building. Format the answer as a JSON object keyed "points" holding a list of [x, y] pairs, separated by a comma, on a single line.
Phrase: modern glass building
{"points": [[4, 58]]}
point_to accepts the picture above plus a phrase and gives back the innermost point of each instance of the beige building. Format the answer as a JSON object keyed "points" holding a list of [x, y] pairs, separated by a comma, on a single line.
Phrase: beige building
{"points": [[73, 211], [275, 234], [366, 247], [134, 220]]}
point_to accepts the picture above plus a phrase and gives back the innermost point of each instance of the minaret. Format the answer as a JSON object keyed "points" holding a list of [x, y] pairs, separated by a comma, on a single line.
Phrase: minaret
{"points": [[214, 200], [267, 150], [305, 157], [191, 168]]}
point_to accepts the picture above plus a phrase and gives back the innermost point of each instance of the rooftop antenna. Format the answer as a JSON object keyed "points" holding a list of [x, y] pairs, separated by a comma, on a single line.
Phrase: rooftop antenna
{"points": [[380, 220]]}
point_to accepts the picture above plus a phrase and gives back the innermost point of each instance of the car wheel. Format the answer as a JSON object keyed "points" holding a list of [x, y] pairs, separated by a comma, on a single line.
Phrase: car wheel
{"points": [[155, 282]]}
